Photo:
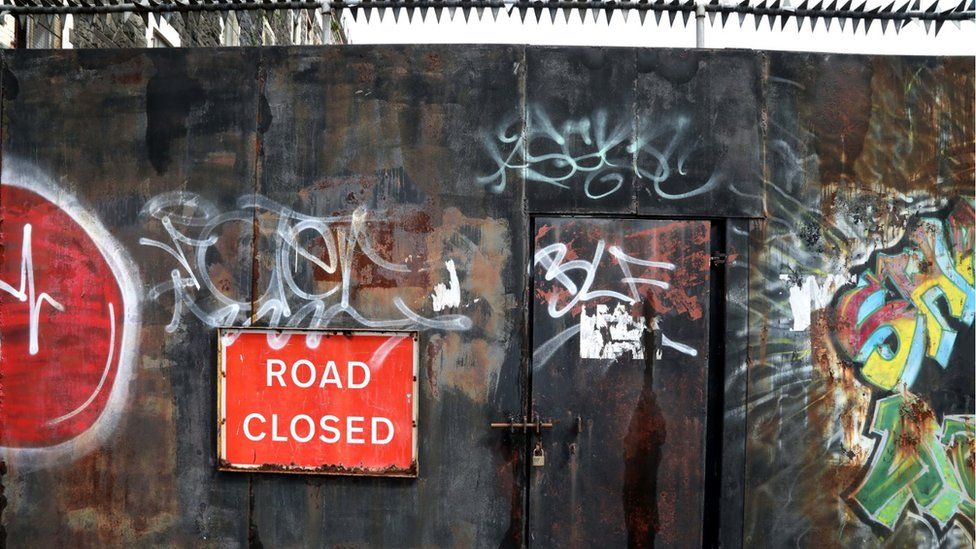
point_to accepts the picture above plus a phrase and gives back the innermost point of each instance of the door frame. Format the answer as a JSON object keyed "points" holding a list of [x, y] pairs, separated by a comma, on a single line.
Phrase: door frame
{"points": [[725, 441]]}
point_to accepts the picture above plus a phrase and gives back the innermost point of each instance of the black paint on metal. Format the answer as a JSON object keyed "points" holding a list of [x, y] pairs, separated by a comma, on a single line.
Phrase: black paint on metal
{"points": [[715, 428]]}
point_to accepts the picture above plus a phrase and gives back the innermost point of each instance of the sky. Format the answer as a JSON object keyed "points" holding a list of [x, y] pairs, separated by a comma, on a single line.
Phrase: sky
{"points": [[509, 29]]}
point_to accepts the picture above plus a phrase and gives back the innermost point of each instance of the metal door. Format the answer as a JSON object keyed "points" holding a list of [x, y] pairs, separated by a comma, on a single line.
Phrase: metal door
{"points": [[620, 354]]}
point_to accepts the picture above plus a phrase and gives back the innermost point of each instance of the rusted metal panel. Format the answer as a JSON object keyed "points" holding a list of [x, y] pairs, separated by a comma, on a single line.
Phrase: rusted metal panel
{"points": [[383, 147], [698, 129], [366, 186], [116, 132], [855, 378], [579, 131], [620, 355]]}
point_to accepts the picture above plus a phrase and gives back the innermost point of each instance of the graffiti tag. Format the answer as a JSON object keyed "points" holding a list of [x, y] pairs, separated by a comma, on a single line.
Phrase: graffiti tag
{"points": [[600, 152], [195, 228]]}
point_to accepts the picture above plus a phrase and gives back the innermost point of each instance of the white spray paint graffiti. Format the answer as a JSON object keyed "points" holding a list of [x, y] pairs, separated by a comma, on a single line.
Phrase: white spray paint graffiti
{"points": [[551, 258], [193, 226], [603, 335], [27, 292], [601, 152]]}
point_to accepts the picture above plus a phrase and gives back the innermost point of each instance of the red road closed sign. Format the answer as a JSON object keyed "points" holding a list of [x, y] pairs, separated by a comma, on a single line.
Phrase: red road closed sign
{"points": [[302, 401]]}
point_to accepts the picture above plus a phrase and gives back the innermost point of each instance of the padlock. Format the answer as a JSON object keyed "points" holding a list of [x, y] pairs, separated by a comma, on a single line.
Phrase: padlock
{"points": [[538, 456]]}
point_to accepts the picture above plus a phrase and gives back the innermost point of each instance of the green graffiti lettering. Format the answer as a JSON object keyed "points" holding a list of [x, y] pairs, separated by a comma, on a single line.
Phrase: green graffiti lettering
{"points": [[914, 462]]}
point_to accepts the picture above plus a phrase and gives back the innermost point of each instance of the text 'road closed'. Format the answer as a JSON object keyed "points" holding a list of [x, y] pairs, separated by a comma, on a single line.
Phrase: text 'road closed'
{"points": [[297, 401]]}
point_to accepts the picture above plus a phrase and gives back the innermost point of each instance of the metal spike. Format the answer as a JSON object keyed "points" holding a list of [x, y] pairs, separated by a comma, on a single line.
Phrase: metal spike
{"points": [[725, 17], [961, 6], [552, 15], [938, 25], [928, 25], [354, 10], [711, 18], [423, 12], [466, 12], [686, 13], [610, 5], [494, 13], [450, 12], [537, 9], [841, 20], [800, 18], [884, 25], [367, 11], [595, 9], [898, 24], [625, 13], [814, 19], [566, 13], [867, 25], [437, 13], [857, 23], [672, 13], [758, 16], [772, 19], [741, 14]]}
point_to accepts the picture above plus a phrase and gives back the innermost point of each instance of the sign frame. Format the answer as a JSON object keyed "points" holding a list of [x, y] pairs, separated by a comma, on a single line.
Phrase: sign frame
{"points": [[413, 471]]}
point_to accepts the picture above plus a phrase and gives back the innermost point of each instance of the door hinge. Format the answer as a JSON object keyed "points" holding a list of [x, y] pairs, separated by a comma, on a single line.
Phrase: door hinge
{"points": [[719, 258]]}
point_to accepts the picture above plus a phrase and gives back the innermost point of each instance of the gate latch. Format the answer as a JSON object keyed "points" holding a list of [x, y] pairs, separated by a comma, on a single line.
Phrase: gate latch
{"points": [[536, 424]]}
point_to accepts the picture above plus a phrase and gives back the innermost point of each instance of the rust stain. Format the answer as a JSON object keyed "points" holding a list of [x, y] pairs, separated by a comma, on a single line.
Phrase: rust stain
{"points": [[337, 470], [918, 421]]}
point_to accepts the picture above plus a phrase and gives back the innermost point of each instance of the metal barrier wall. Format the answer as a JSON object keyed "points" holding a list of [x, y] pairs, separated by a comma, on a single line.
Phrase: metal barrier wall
{"points": [[808, 373]]}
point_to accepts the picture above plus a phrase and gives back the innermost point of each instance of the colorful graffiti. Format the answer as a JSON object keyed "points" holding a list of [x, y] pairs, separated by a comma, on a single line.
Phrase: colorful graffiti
{"points": [[917, 460], [906, 310], [69, 301], [892, 319]]}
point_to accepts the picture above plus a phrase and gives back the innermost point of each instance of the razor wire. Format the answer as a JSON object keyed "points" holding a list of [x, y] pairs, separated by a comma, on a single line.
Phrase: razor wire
{"points": [[896, 14]]}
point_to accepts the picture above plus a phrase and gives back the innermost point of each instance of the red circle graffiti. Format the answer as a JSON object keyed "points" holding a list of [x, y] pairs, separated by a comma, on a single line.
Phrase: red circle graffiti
{"points": [[57, 290]]}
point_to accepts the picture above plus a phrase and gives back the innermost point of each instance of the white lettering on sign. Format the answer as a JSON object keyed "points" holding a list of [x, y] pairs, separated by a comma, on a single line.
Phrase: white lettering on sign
{"points": [[303, 373], [303, 428]]}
